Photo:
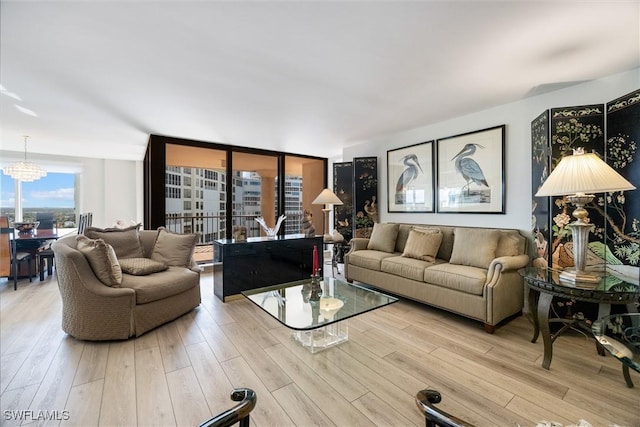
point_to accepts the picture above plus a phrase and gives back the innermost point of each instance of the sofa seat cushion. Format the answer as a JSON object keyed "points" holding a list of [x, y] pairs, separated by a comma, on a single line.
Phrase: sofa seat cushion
{"points": [[462, 278], [157, 286], [410, 268], [369, 259]]}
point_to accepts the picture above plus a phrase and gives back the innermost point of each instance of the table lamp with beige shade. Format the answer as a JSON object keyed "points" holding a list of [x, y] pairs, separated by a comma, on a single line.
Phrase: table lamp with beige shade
{"points": [[579, 176], [326, 198]]}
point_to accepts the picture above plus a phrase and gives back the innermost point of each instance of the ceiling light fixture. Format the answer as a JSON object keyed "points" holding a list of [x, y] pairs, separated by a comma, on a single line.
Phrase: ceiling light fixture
{"points": [[25, 171]]}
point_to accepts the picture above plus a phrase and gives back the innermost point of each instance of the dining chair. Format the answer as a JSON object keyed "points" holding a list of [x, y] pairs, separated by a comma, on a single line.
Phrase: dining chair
{"points": [[44, 253], [84, 221], [15, 258]]}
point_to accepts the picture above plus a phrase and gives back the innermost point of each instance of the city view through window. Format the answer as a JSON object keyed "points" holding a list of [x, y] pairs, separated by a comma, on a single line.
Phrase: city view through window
{"points": [[54, 193], [196, 201]]}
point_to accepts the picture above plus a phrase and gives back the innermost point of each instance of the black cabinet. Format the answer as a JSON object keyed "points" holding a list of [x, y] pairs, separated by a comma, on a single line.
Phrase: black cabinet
{"points": [[261, 262]]}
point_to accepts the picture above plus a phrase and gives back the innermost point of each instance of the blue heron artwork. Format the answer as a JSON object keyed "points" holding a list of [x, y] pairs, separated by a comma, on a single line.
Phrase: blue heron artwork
{"points": [[410, 174], [468, 167], [471, 171]]}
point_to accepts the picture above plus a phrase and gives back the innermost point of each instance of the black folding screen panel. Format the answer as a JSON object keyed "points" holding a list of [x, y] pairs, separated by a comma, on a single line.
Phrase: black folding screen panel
{"points": [[613, 132]]}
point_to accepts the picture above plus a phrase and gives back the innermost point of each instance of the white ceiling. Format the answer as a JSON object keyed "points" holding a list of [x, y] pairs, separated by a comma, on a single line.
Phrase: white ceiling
{"points": [[298, 76]]}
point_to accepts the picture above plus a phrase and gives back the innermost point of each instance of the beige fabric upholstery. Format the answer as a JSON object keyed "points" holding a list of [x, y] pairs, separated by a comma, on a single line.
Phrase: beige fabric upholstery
{"points": [[173, 248], [102, 259], [370, 259], [423, 243], [383, 237], [155, 286], [141, 266], [489, 294], [474, 247], [92, 311], [125, 241], [405, 267]]}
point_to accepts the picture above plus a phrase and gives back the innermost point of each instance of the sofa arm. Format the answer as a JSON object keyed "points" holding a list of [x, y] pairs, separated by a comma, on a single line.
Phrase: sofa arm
{"points": [[358, 244], [505, 263]]}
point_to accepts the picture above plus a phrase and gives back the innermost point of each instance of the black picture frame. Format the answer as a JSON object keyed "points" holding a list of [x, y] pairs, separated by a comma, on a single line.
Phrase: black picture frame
{"points": [[471, 175], [410, 178]]}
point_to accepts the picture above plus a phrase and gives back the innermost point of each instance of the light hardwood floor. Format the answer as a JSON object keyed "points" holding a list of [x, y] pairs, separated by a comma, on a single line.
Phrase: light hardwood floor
{"points": [[183, 372]]}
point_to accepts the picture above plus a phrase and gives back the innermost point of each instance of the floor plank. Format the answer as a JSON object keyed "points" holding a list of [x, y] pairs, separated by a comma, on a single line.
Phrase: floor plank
{"points": [[183, 372]]}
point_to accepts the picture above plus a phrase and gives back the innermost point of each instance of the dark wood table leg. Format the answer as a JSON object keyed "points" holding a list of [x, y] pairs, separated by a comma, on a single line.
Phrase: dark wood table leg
{"points": [[544, 303], [533, 311]]}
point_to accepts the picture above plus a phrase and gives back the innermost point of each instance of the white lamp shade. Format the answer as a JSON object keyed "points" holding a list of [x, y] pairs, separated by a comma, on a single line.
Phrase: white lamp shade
{"points": [[583, 173], [327, 197]]}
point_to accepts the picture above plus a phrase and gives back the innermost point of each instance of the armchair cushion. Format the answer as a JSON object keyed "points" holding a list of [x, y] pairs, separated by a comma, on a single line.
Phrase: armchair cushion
{"points": [[102, 259], [125, 241], [174, 249], [141, 266]]}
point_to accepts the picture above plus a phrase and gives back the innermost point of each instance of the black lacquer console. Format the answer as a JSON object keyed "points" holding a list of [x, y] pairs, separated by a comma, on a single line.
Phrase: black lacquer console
{"points": [[261, 262]]}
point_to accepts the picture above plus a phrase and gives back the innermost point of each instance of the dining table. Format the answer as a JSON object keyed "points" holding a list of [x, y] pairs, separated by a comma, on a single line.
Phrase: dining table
{"points": [[31, 242]]}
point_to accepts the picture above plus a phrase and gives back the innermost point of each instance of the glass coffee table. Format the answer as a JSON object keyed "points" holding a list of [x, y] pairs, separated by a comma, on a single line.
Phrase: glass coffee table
{"points": [[317, 310]]}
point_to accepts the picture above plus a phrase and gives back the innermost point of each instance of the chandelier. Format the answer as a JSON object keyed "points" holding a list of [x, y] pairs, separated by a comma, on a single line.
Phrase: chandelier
{"points": [[25, 171]]}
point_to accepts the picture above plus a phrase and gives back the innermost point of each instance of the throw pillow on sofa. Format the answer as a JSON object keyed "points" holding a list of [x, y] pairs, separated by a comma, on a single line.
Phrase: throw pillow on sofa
{"points": [[125, 241], [474, 247], [423, 243], [174, 249], [141, 266], [102, 259], [383, 237]]}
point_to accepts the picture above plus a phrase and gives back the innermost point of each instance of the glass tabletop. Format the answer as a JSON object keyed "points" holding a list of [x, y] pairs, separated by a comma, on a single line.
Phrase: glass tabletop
{"points": [[608, 283], [619, 334], [306, 305]]}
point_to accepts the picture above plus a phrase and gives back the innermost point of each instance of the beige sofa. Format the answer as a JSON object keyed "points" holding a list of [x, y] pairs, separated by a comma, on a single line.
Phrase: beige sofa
{"points": [[471, 271], [95, 309]]}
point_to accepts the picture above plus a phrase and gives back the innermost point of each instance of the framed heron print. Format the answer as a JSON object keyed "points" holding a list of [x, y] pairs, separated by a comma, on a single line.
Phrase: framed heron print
{"points": [[410, 183], [471, 172]]}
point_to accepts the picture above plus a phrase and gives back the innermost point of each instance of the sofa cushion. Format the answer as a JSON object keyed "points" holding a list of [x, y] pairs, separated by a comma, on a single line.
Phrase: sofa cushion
{"points": [[423, 244], [383, 237], [173, 248], [141, 266], [474, 247], [462, 278], [511, 243], [369, 259], [157, 286], [402, 266], [125, 241], [102, 259]]}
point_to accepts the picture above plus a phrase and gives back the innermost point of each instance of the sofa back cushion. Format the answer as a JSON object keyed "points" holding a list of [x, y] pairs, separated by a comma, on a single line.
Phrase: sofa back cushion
{"points": [[423, 243], [383, 237], [474, 247], [125, 241], [102, 259], [511, 243]]}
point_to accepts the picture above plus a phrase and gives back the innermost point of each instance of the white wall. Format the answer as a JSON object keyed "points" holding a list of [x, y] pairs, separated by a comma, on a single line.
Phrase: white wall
{"points": [[517, 116], [112, 190]]}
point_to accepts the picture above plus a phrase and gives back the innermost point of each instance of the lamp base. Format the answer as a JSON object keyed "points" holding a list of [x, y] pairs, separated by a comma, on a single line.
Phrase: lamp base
{"points": [[575, 276]]}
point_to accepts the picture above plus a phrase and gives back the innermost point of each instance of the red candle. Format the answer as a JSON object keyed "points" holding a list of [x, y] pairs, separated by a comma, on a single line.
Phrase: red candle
{"points": [[315, 259]]}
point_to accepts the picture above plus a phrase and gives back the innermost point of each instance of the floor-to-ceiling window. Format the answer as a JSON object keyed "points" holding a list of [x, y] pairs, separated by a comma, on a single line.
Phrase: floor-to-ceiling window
{"points": [[208, 188]]}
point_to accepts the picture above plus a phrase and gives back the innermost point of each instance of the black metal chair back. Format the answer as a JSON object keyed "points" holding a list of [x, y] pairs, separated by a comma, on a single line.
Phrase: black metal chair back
{"points": [[84, 221], [426, 400], [239, 413]]}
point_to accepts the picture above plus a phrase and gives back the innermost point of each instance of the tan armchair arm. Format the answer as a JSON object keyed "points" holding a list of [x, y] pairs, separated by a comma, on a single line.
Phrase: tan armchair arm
{"points": [[91, 310]]}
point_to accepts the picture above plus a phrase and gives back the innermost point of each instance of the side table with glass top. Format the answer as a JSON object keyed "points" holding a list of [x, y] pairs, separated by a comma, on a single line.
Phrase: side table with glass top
{"points": [[619, 334], [545, 283]]}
